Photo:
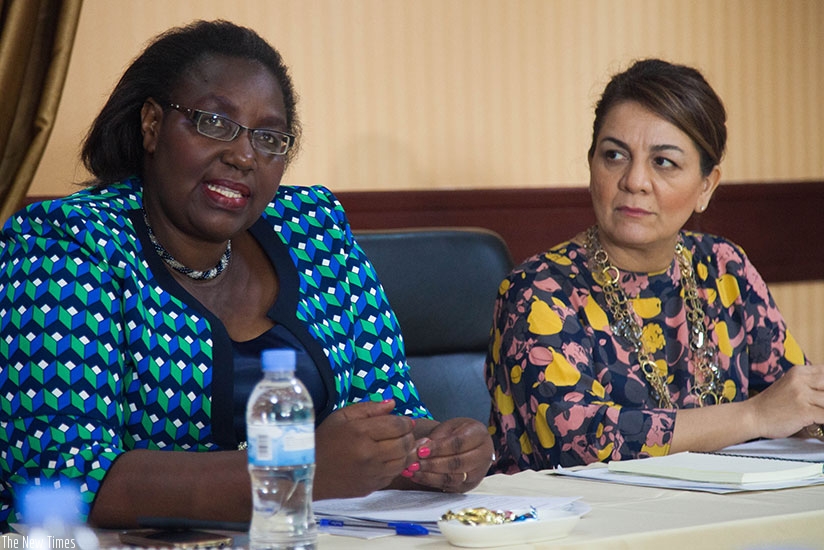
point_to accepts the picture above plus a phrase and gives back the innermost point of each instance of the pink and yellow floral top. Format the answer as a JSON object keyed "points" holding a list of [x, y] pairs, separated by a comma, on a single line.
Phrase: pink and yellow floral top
{"points": [[566, 391]]}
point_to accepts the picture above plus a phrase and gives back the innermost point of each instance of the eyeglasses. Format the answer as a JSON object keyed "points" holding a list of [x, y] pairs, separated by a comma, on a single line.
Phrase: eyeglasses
{"points": [[271, 142]]}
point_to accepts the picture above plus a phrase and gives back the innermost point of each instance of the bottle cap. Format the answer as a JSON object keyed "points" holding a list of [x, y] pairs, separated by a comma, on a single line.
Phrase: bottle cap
{"points": [[40, 505], [278, 359]]}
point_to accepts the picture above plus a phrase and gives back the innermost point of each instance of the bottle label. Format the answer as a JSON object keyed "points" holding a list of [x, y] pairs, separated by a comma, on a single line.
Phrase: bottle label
{"points": [[289, 445]]}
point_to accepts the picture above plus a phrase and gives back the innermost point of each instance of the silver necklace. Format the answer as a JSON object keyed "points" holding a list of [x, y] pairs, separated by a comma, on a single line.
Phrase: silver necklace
{"points": [[207, 275], [708, 386]]}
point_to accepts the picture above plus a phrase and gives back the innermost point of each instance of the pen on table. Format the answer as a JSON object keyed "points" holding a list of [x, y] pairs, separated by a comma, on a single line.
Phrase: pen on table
{"points": [[401, 528]]}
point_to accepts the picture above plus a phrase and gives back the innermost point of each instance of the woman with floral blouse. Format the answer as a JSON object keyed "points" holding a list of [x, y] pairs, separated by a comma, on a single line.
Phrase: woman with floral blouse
{"points": [[637, 338]]}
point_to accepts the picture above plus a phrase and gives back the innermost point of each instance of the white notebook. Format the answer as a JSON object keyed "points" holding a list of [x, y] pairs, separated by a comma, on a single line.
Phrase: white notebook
{"points": [[718, 468]]}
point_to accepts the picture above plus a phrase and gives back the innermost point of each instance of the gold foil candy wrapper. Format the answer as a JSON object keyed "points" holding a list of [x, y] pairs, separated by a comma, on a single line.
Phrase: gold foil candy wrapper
{"points": [[485, 516]]}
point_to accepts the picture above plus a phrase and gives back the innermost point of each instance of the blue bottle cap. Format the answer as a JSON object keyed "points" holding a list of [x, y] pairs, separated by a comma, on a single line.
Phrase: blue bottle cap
{"points": [[39, 504], [278, 359]]}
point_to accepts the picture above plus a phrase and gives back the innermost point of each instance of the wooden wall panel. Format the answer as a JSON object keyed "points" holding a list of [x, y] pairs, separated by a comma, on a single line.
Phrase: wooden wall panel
{"points": [[779, 225], [802, 305]]}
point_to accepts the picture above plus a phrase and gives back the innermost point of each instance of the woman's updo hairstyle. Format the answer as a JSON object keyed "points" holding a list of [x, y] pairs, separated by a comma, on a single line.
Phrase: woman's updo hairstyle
{"points": [[678, 94]]}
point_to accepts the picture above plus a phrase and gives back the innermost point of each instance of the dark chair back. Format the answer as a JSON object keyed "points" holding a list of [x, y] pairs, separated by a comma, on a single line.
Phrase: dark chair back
{"points": [[442, 283]]}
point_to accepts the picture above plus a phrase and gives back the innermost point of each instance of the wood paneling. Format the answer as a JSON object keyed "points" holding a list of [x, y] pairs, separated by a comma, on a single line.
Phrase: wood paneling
{"points": [[779, 225]]}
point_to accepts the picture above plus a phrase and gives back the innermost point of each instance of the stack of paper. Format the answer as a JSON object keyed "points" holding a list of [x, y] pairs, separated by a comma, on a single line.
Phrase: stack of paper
{"points": [[779, 464], [718, 468]]}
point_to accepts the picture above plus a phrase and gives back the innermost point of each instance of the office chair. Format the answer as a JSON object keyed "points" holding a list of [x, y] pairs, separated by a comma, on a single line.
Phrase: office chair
{"points": [[442, 283]]}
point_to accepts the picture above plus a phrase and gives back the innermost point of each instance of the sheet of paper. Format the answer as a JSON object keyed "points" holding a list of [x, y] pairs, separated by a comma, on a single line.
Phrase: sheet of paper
{"points": [[791, 448], [366, 533], [426, 506]]}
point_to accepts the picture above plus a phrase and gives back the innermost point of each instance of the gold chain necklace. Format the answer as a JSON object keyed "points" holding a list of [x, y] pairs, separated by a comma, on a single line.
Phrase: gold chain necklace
{"points": [[709, 390]]}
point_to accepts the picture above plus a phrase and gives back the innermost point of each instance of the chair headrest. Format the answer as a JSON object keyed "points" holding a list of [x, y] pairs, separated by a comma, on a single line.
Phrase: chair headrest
{"points": [[441, 283]]}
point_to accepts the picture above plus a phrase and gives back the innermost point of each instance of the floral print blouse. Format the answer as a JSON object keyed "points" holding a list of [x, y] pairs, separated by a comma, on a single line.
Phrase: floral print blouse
{"points": [[567, 391]]}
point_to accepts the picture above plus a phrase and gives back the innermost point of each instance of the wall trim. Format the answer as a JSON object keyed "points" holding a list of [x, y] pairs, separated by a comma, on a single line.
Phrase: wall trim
{"points": [[779, 224]]}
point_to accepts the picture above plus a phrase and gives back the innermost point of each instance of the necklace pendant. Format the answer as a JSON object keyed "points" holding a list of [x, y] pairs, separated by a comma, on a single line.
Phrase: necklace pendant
{"points": [[620, 329], [711, 361], [697, 341], [626, 331]]}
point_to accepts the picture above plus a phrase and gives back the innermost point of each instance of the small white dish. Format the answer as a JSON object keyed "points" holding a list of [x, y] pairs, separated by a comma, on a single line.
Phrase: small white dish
{"points": [[549, 525]]}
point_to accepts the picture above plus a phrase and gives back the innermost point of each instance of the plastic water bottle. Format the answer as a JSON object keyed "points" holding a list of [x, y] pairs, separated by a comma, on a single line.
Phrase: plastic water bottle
{"points": [[280, 426], [52, 517]]}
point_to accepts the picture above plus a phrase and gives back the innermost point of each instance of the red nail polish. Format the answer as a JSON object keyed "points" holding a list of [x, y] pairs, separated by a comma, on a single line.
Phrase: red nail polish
{"points": [[424, 452], [407, 473], [414, 467]]}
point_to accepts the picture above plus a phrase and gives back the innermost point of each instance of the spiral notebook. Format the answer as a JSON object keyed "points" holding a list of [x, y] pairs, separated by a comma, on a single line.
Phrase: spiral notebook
{"points": [[719, 468]]}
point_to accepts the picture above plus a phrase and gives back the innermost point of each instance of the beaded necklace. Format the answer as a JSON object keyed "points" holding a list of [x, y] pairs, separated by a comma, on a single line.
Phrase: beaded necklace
{"points": [[207, 275]]}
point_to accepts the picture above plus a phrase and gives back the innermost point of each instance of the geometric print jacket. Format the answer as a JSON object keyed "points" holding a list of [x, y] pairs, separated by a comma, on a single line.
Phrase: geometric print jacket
{"points": [[102, 352]]}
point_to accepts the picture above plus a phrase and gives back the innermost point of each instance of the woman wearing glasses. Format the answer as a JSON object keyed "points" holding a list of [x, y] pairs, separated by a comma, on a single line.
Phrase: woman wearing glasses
{"points": [[134, 311]]}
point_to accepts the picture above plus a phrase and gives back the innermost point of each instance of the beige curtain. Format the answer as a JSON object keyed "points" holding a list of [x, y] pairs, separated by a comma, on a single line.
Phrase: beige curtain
{"points": [[36, 38]]}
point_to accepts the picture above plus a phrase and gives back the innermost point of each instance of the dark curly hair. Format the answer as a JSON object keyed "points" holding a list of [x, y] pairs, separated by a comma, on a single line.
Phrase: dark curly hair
{"points": [[678, 94], [113, 148]]}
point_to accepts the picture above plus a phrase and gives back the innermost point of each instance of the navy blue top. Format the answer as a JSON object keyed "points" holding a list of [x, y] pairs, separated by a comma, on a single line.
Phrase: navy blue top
{"points": [[248, 372]]}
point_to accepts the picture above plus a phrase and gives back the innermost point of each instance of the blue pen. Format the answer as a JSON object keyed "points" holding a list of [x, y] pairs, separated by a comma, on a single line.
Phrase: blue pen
{"points": [[401, 528], [409, 529]]}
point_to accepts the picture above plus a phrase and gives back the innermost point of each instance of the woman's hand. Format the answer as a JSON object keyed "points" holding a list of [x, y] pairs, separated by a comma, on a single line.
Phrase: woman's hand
{"points": [[791, 404], [454, 457], [361, 448]]}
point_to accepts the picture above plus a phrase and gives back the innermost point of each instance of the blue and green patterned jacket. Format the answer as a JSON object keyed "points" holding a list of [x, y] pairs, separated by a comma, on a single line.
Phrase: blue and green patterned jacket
{"points": [[102, 352]]}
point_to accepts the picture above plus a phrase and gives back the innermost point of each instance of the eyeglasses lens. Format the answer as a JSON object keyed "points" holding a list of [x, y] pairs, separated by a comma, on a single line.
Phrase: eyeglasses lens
{"points": [[215, 126], [223, 129]]}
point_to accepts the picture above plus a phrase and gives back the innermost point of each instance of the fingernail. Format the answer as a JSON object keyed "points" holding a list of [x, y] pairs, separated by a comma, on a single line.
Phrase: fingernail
{"points": [[407, 473], [424, 452], [414, 467], [413, 422]]}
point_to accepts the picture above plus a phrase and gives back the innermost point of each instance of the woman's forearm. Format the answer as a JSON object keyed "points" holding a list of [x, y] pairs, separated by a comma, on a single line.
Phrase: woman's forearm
{"points": [[713, 428], [194, 485]]}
